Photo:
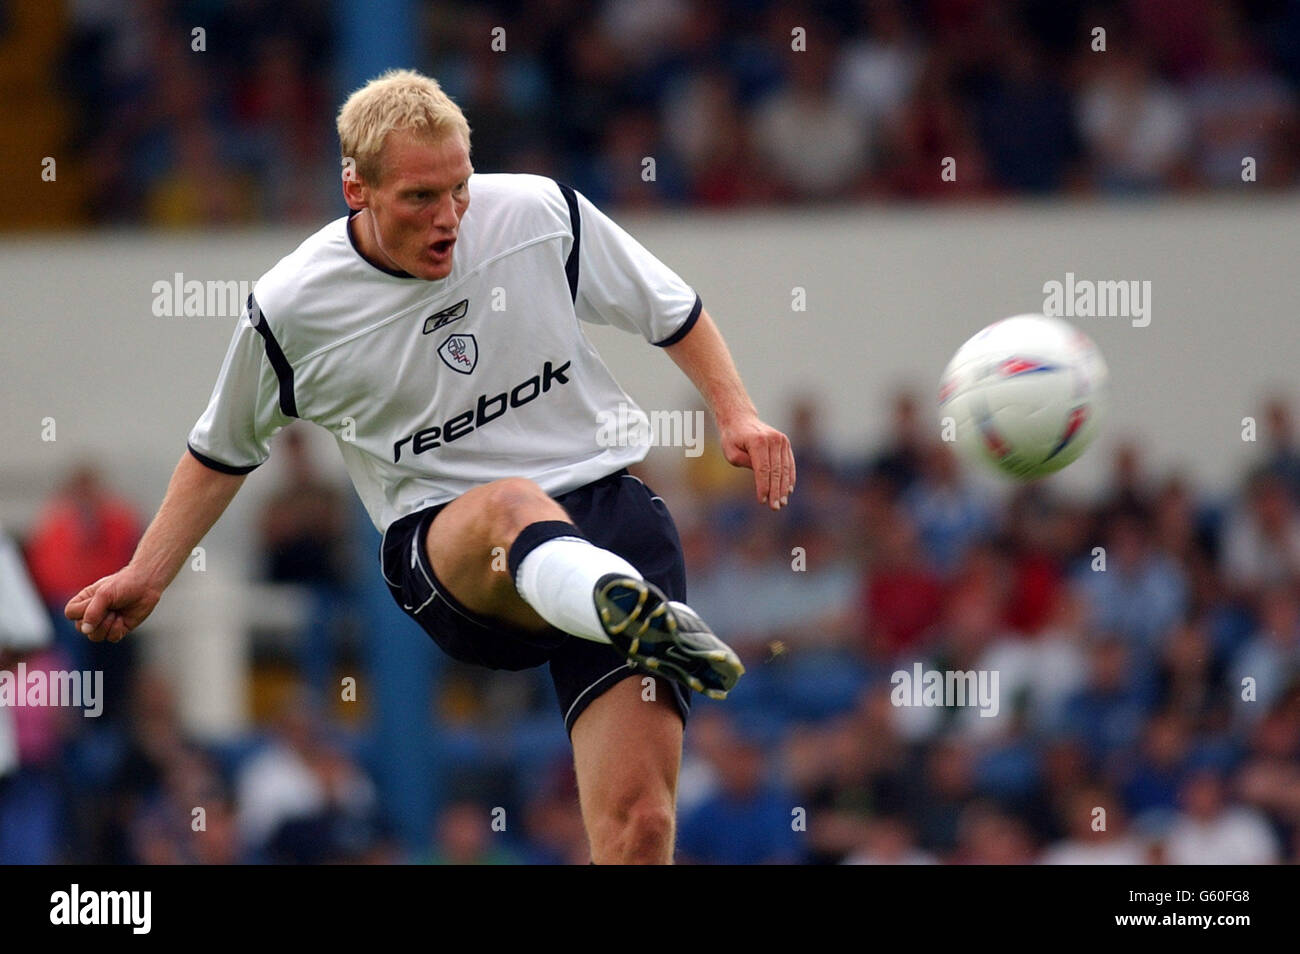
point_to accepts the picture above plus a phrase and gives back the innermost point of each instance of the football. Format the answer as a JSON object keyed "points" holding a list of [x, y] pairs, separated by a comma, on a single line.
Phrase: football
{"points": [[1025, 395]]}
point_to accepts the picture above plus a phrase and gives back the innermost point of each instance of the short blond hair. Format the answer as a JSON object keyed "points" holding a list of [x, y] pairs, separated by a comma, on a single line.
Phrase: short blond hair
{"points": [[397, 100]]}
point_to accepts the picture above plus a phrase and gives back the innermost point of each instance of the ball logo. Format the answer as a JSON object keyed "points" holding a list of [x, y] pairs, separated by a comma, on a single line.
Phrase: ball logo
{"points": [[460, 353]]}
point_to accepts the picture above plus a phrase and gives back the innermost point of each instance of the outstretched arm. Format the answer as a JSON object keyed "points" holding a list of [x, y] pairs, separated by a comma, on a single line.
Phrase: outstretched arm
{"points": [[746, 440], [111, 607]]}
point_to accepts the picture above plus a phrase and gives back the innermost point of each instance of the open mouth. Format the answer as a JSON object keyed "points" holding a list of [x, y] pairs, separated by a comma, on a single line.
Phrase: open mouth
{"points": [[443, 247]]}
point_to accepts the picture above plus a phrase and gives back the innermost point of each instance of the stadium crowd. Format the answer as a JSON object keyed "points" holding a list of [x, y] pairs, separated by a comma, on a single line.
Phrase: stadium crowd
{"points": [[1147, 645], [737, 103]]}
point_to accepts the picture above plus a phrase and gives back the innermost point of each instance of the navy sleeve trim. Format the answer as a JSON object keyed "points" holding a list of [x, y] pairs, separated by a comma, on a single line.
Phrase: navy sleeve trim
{"points": [[280, 364], [575, 220], [687, 325], [216, 465]]}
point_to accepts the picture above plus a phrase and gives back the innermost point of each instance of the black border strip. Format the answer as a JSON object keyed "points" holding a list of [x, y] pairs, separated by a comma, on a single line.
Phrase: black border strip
{"points": [[575, 220], [217, 465], [283, 370], [687, 325]]}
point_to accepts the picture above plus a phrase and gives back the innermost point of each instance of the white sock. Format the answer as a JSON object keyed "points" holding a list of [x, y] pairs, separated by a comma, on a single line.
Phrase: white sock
{"points": [[557, 578]]}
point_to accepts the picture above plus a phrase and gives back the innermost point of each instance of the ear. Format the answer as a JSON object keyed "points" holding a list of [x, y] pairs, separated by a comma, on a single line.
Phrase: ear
{"points": [[355, 192]]}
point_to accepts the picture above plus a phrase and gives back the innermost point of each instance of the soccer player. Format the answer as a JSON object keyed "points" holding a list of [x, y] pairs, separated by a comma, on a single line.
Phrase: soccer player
{"points": [[471, 433]]}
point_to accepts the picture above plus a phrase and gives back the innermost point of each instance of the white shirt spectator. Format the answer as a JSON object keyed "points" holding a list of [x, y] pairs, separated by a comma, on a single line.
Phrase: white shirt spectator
{"points": [[816, 144], [1236, 836], [24, 627], [276, 785], [1123, 850], [1137, 135]]}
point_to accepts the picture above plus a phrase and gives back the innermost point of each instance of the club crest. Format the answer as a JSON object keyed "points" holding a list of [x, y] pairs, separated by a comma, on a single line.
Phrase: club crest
{"points": [[460, 353]]}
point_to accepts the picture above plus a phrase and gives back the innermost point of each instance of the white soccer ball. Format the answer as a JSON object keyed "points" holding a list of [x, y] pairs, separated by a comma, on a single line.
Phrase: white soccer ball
{"points": [[1025, 395]]}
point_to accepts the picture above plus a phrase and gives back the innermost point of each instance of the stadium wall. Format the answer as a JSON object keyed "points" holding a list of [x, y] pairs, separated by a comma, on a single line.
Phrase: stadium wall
{"points": [[889, 295]]}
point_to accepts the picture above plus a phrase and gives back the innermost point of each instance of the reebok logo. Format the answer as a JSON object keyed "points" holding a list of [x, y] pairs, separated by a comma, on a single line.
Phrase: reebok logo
{"points": [[486, 409], [446, 316]]}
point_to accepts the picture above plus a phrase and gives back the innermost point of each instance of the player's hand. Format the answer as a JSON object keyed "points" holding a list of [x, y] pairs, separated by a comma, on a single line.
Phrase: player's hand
{"points": [[113, 606], [764, 450]]}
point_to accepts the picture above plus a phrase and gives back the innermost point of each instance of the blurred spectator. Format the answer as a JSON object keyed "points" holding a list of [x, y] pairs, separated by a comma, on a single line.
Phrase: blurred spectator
{"points": [[804, 598], [877, 71], [29, 799], [1026, 123], [301, 798], [1137, 128], [1129, 493], [899, 462], [1187, 674], [943, 789], [1269, 779], [1036, 675], [1283, 454], [987, 835], [1271, 658], [1241, 109], [704, 126], [1140, 593], [902, 596], [950, 511], [84, 532], [553, 829], [163, 829], [198, 188], [304, 539], [466, 837], [935, 135], [303, 523], [1211, 830], [889, 841], [1150, 782], [817, 147], [748, 820], [1095, 839], [1033, 531], [1261, 541], [1107, 715]]}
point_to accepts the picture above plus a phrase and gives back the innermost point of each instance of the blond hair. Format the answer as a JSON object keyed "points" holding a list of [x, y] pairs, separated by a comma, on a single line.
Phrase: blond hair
{"points": [[397, 100]]}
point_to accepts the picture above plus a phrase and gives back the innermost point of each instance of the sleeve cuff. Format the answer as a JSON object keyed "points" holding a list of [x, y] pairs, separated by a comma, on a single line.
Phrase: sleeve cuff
{"points": [[217, 465], [687, 325]]}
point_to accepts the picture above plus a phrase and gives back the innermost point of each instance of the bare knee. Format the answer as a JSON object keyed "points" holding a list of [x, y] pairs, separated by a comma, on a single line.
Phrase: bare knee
{"points": [[640, 833], [510, 504]]}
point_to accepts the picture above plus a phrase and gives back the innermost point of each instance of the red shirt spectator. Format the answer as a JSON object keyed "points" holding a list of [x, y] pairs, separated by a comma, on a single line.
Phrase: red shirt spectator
{"points": [[84, 533]]}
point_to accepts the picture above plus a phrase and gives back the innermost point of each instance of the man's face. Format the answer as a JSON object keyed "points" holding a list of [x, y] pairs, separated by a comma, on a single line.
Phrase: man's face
{"points": [[414, 211]]}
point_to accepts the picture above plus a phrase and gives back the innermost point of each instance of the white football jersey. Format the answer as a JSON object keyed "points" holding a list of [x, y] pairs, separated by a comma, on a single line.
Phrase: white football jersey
{"points": [[432, 388]]}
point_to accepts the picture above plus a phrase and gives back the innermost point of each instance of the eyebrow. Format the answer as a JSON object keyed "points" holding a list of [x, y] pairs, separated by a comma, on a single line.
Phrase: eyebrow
{"points": [[428, 188]]}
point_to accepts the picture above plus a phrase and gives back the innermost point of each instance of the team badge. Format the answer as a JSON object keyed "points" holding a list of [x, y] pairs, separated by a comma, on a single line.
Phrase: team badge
{"points": [[460, 353]]}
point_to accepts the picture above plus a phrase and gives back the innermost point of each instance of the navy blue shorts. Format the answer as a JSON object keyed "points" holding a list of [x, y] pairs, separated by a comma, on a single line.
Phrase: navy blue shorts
{"points": [[618, 513]]}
